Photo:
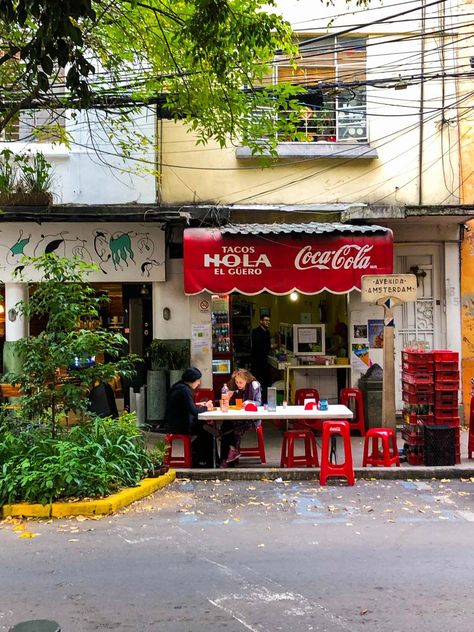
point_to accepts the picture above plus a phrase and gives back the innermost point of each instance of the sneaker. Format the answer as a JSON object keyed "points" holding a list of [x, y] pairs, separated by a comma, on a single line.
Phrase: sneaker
{"points": [[233, 455], [223, 464]]}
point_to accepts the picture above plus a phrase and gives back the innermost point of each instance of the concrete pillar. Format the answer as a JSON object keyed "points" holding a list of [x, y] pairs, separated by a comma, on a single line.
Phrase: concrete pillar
{"points": [[16, 326]]}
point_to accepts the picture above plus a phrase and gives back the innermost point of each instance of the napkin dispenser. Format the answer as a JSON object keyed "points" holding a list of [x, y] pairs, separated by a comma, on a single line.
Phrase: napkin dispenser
{"points": [[272, 398], [323, 404]]}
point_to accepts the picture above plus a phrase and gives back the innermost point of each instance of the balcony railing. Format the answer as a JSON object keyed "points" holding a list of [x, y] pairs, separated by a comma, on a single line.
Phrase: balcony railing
{"points": [[331, 124]]}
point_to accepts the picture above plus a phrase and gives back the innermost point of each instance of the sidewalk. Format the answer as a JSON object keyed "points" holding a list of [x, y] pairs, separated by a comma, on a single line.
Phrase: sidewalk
{"points": [[251, 469]]}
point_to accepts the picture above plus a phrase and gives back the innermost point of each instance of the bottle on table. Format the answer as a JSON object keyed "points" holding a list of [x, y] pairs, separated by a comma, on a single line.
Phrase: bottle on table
{"points": [[225, 398]]}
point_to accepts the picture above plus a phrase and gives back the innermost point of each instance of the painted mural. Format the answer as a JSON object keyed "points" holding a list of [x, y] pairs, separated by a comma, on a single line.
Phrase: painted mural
{"points": [[467, 298], [122, 252]]}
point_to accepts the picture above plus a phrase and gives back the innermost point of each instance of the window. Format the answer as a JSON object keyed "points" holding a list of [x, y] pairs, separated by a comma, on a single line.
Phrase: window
{"points": [[337, 112], [38, 125]]}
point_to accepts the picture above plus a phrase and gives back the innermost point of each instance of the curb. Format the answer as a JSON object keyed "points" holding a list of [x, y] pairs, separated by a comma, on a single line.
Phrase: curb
{"points": [[306, 474], [102, 506]]}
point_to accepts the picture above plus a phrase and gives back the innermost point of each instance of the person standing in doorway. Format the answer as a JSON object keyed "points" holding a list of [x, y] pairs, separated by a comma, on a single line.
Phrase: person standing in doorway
{"points": [[261, 346]]}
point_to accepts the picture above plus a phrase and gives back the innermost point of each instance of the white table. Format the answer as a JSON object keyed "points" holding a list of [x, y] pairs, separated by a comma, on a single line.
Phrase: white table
{"points": [[335, 411]]}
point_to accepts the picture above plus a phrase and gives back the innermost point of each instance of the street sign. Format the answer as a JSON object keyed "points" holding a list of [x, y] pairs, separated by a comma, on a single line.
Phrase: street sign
{"points": [[378, 286]]}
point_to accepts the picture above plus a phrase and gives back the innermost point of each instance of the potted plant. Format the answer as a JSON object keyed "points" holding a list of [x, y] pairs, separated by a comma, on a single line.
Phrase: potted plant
{"points": [[179, 359], [25, 179], [156, 381], [168, 358], [157, 458]]}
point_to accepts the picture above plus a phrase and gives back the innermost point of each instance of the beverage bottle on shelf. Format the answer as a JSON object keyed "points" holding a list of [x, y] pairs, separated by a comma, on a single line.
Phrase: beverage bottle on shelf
{"points": [[225, 398]]}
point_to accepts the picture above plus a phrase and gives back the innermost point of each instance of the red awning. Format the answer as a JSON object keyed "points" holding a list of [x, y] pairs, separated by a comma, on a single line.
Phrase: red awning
{"points": [[280, 260]]}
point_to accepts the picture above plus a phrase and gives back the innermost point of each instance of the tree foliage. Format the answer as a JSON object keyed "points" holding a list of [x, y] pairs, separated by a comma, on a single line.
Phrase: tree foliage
{"points": [[203, 58], [50, 380]]}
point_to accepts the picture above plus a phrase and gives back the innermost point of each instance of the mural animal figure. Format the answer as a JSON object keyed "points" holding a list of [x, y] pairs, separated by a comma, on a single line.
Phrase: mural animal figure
{"points": [[148, 265], [121, 249]]}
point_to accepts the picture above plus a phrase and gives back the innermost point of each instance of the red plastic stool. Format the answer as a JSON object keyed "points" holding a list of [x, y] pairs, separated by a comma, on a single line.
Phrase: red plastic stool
{"points": [[470, 442], [288, 457], [330, 430], [385, 454], [354, 396], [259, 449], [178, 461]]}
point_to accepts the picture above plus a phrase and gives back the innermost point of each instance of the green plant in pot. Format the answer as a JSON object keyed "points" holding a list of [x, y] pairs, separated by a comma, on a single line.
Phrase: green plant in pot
{"points": [[157, 459], [158, 352]]}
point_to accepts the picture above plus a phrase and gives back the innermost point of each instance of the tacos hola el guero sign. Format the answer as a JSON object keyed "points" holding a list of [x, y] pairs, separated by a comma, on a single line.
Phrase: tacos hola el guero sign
{"points": [[280, 263]]}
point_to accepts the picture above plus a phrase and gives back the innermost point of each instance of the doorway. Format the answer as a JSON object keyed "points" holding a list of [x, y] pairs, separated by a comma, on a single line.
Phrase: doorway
{"points": [[420, 321]]}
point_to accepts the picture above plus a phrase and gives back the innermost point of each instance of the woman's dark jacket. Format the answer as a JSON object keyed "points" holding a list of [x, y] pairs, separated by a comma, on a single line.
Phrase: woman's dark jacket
{"points": [[181, 411]]}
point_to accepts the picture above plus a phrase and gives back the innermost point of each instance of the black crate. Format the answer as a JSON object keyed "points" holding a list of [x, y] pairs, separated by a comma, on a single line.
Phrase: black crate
{"points": [[440, 445]]}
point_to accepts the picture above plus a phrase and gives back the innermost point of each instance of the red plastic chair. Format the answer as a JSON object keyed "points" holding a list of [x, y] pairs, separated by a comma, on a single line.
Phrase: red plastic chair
{"points": [[330, 430], [384, 454], [178, 461], [470, 443], [288, 456], [352, 398], [300, 395], [259, 449], [203, 395]]}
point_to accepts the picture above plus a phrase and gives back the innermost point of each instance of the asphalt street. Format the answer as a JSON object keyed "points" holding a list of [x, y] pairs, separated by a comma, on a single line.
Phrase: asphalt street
{"points": [[259, 556]]}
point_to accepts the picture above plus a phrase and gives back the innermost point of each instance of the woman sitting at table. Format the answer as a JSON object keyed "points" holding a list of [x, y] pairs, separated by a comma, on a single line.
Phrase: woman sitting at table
{"points": [[181, 417], [245, 387]]}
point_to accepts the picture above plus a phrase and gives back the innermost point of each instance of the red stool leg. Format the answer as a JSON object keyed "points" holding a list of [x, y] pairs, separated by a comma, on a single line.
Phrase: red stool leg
{"points": [[188, 456], [385, 450], [284, 451], [395, 457], [261, 444], [291, 450]]}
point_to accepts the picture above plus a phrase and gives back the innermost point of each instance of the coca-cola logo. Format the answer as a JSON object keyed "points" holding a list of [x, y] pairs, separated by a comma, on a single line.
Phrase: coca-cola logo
{"points": [[344, 258]]}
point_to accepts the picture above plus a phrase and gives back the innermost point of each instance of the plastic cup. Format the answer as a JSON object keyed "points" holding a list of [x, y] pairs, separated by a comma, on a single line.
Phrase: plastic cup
{"points": [[239, 403]]}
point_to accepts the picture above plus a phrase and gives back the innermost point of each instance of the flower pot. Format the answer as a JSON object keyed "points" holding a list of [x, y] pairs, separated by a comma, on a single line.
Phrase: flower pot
{"points": [[42, 198]]}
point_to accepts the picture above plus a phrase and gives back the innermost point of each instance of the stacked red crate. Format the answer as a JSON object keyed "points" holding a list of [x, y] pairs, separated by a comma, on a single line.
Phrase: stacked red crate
{"points": [[446, 388], [418, 395]]}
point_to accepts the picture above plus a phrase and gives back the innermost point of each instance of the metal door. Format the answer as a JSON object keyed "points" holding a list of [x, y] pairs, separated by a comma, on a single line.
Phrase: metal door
{"points": [[420, 321]]}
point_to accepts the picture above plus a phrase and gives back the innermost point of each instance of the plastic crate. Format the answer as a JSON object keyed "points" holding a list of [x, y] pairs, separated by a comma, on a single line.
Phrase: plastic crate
{"points": [[420, 366], [448, 410], [440, 445], [420, 399], [413, 434], [416, 458], [418, 357], [417, 388], [445, 355], [447, 387], [446, 376], [449, 420], [446, 366], [418, 378], [413, 418]]}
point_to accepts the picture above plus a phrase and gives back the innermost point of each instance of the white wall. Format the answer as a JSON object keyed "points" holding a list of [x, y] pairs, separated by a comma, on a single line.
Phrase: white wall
{"points": [[92, 170], [185, 312]]}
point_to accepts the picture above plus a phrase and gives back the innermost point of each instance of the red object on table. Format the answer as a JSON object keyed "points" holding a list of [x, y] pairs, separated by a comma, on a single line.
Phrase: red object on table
{"points": [[250, 407]]}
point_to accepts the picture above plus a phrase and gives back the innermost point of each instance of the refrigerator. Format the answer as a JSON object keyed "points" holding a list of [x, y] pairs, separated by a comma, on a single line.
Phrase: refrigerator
{"points": [[221, 342]]}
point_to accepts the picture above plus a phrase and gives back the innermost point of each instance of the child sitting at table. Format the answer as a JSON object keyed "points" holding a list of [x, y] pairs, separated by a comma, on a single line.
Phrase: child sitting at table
{"points": [[245, 387]]}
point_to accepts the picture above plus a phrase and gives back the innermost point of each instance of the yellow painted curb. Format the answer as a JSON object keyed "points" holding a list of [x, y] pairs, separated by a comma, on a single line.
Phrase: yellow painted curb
{"points": [[102, 506]]}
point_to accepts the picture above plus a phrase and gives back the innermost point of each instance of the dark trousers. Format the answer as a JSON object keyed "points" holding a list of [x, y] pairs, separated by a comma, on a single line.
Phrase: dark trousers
{"points": [[203, 446]]}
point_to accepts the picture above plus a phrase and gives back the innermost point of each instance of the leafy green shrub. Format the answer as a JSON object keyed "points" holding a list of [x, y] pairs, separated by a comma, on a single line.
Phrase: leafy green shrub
{"points": [[89, 460]]}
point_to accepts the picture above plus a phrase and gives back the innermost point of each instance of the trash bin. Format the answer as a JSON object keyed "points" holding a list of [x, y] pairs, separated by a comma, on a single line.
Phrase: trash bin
{"points": [[371, 385]]}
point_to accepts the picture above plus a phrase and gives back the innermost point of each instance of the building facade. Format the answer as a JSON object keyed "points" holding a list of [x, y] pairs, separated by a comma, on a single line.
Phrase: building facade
{"points": [[383, 143]]}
